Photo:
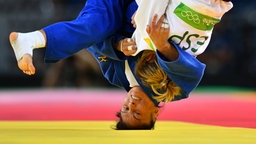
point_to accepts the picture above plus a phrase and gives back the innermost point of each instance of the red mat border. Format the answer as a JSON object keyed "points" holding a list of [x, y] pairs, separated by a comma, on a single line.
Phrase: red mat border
{"points": [[223, 109]]}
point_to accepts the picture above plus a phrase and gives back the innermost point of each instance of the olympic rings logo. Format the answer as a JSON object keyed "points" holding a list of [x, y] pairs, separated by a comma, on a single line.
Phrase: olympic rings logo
{"points": [[190, 16]]}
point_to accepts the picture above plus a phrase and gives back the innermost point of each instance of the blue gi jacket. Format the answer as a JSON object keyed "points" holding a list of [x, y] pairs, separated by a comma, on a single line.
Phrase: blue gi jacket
{"points": [[186, 71], [96, 27]]}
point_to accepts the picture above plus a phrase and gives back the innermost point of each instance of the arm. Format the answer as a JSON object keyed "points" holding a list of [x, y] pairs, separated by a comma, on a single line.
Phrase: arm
{"points": [[159, 36], [182, 68], [186, 71]]}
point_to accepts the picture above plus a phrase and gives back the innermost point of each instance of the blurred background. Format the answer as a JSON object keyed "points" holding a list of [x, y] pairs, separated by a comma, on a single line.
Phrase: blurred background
{"points": [[230, 57]]}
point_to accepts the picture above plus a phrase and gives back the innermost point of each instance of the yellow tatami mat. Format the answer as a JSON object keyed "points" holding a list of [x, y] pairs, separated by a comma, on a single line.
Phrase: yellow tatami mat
{"points": [[100, 132]]}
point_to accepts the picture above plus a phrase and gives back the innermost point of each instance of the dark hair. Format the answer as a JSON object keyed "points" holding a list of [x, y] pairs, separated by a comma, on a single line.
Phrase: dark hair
{"points": [[120, 125]]}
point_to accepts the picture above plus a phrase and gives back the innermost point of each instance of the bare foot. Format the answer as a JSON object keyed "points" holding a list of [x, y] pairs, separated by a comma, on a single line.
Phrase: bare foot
{"points": [[26, 65], [24, 59]]}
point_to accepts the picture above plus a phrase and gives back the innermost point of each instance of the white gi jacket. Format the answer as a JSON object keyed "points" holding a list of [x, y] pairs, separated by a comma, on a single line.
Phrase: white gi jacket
{"points": [[191, 22]]}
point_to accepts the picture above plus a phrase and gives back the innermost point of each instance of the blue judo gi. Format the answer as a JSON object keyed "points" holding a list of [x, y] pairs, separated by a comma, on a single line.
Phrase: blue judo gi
{"points": [[186, 71], [98, 28]]}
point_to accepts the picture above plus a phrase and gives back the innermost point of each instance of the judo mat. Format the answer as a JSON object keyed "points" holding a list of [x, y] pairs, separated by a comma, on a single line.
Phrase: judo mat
{"points": [[62, 116]]}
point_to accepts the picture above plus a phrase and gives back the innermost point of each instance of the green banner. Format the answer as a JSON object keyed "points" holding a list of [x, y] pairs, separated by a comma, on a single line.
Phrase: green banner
{"points": [[195, 19]]}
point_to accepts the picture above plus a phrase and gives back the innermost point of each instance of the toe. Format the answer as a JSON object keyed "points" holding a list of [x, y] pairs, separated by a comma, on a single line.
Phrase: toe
{"points": [[31, 69]]}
